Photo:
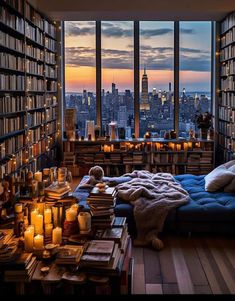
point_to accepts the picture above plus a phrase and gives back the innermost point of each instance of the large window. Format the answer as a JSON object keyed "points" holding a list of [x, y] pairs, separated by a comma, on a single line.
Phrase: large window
{"points": [[117, 43], [156, 77], [80, 73], [195, 73], [154, 104]]}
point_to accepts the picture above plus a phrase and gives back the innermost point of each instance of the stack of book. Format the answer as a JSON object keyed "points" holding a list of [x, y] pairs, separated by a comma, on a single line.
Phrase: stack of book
{"points": [[98, 253], [102, 206], [118, 233], [21, 269], [56, 191], [69, 254]]}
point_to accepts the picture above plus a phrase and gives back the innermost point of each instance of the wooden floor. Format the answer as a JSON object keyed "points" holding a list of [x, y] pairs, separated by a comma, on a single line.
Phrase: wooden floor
{"points": [[195, 265]]}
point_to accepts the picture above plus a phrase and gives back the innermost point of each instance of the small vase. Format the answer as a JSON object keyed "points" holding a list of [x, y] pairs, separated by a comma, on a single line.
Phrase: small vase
{"points": [[203, 133]]}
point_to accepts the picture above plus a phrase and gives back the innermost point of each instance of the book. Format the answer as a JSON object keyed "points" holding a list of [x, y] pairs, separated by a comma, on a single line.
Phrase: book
{"points": [[119, 221], [69, 254], [108, 193], [100, 247]]}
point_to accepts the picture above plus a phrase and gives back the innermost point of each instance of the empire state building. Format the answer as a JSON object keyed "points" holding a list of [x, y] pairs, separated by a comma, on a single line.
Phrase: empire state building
{"points": [[144, 105]]}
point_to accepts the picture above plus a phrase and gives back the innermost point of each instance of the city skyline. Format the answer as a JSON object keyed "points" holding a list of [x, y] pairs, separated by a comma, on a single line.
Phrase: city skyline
{"points": [[156, 52]]}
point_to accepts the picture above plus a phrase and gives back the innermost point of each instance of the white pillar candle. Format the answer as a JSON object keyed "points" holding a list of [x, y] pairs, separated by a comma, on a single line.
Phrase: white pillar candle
{"points": [[57, 236], [28, 240], [74, 207], [38, 242], [31, 228], [18, 208], [71, 215], [33, 215], [39, 224], [40, 207], [48, 230], [38, 176], [47, 216]]}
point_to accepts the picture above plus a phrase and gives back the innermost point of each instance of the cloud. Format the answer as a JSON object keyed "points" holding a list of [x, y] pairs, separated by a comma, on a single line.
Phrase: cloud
{"points": [[187, 31], [116, 31], [155, 58], [75, 29], [149, 33]]}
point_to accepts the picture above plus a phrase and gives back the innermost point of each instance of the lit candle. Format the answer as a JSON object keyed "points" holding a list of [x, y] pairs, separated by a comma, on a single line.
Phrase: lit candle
{"points": [[48, 230], [75, 207], [28, 240], [38, 176], [39, 224], [33, 216], [185, 146], [190, 145], [31, 228], [57, 236], [47, 216], [40, 207], [71, 215], [38, 242], [18, 208]]}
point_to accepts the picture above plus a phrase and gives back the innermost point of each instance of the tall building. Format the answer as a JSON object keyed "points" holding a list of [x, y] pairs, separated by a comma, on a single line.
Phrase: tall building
{"points": [[144, 105]]}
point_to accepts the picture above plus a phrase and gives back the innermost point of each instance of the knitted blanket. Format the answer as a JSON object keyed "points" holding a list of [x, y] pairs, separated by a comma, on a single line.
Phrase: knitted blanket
{"points": [[153, 196]]}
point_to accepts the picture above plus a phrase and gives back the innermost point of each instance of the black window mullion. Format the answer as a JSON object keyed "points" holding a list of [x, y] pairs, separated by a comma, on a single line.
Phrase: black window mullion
{"points": [[98, 75], [136, 76], [176, 77]]}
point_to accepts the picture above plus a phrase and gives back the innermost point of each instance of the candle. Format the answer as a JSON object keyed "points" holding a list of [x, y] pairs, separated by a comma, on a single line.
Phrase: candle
{"points": [[38, 176], [38, 242], [48, 230], [33, 216], [47, 216], [28, 240], [71, 215], [57, 236], [190, 145], [40, 207], [18, 208], [39, 224], [31, 228]]}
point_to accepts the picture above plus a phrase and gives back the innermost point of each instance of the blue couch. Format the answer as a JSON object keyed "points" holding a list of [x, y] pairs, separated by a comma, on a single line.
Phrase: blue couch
{"points": [[205, 212]]}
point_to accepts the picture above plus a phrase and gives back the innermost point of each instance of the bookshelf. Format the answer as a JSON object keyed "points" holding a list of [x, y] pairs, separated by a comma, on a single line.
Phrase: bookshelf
{"points": [[156, 155], [227, 94], [28, 88]]}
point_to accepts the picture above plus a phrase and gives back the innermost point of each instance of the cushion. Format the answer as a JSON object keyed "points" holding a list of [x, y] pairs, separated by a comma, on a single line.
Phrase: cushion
{"points": [[229, 164], [218, 178], [231, 186]]}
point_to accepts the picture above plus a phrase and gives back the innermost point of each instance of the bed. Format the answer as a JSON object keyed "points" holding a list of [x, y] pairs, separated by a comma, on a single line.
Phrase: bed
{"points": [[205, 211]]}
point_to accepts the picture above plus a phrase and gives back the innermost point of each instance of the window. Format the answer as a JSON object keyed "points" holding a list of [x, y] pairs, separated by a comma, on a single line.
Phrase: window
{"points": [[117, 61], [157, 108], [156, 77], [195, 73], [80, 73]]}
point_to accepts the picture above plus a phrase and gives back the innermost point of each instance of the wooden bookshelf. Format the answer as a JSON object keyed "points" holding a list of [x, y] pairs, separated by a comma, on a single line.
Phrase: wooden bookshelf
{"points": [[28, 88], [226, 139], [156, 155]]}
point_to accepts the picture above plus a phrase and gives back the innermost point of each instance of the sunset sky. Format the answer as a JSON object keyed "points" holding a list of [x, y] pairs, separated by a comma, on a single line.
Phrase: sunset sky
{"points": [[156, 52]]}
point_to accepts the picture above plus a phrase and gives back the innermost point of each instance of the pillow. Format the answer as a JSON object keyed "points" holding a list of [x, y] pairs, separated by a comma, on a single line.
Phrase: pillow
{"points": [[229, 164], [230, 187], [232, 169], [218, 178]]}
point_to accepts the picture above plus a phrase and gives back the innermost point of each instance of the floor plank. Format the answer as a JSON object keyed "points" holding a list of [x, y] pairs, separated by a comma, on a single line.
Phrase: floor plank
{"points": [[152, 266], [170, 288], [182, 273], [214, 278], [202, 289], [139, 279], [166, 264], [193, 262], [223, 265], [153, 288]]}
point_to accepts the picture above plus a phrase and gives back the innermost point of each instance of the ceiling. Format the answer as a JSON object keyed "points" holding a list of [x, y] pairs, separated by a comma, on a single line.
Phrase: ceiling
{"points": [[194, 10]]}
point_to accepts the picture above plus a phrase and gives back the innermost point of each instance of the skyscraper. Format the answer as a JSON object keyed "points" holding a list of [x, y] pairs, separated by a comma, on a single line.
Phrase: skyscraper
{"points": [[144, 105]]}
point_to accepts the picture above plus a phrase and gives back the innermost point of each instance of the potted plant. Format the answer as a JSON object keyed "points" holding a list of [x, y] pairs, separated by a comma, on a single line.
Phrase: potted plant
{"points": [[204, 122]]}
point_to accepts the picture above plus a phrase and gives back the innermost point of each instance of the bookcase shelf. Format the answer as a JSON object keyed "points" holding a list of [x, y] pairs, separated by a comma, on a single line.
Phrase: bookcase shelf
{"points": [[226, 122], [156, 155], [28, 115]]}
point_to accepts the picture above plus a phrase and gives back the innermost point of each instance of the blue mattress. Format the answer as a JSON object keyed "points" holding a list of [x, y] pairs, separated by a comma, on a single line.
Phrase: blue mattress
{"points": [[206, 211]]}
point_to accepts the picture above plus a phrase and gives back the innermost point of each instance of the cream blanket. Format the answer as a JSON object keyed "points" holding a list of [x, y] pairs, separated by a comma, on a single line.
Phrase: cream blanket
{"points": [[153, 196]]}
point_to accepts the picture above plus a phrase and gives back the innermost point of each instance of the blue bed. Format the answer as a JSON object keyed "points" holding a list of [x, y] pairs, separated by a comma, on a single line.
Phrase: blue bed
{"points": [[205, 212]]}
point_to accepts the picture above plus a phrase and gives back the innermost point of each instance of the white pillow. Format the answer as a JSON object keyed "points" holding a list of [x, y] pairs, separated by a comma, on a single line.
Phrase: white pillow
{"points": [[231, 186], [218, 178], [229, 164], [232, 168]]}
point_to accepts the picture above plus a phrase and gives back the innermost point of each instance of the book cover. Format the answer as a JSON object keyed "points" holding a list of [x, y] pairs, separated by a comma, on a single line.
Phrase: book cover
{"points": [[100, 247]]}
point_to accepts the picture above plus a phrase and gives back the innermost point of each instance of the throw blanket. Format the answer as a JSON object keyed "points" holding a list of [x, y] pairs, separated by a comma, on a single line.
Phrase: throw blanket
{"points": [[153, 196]]}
